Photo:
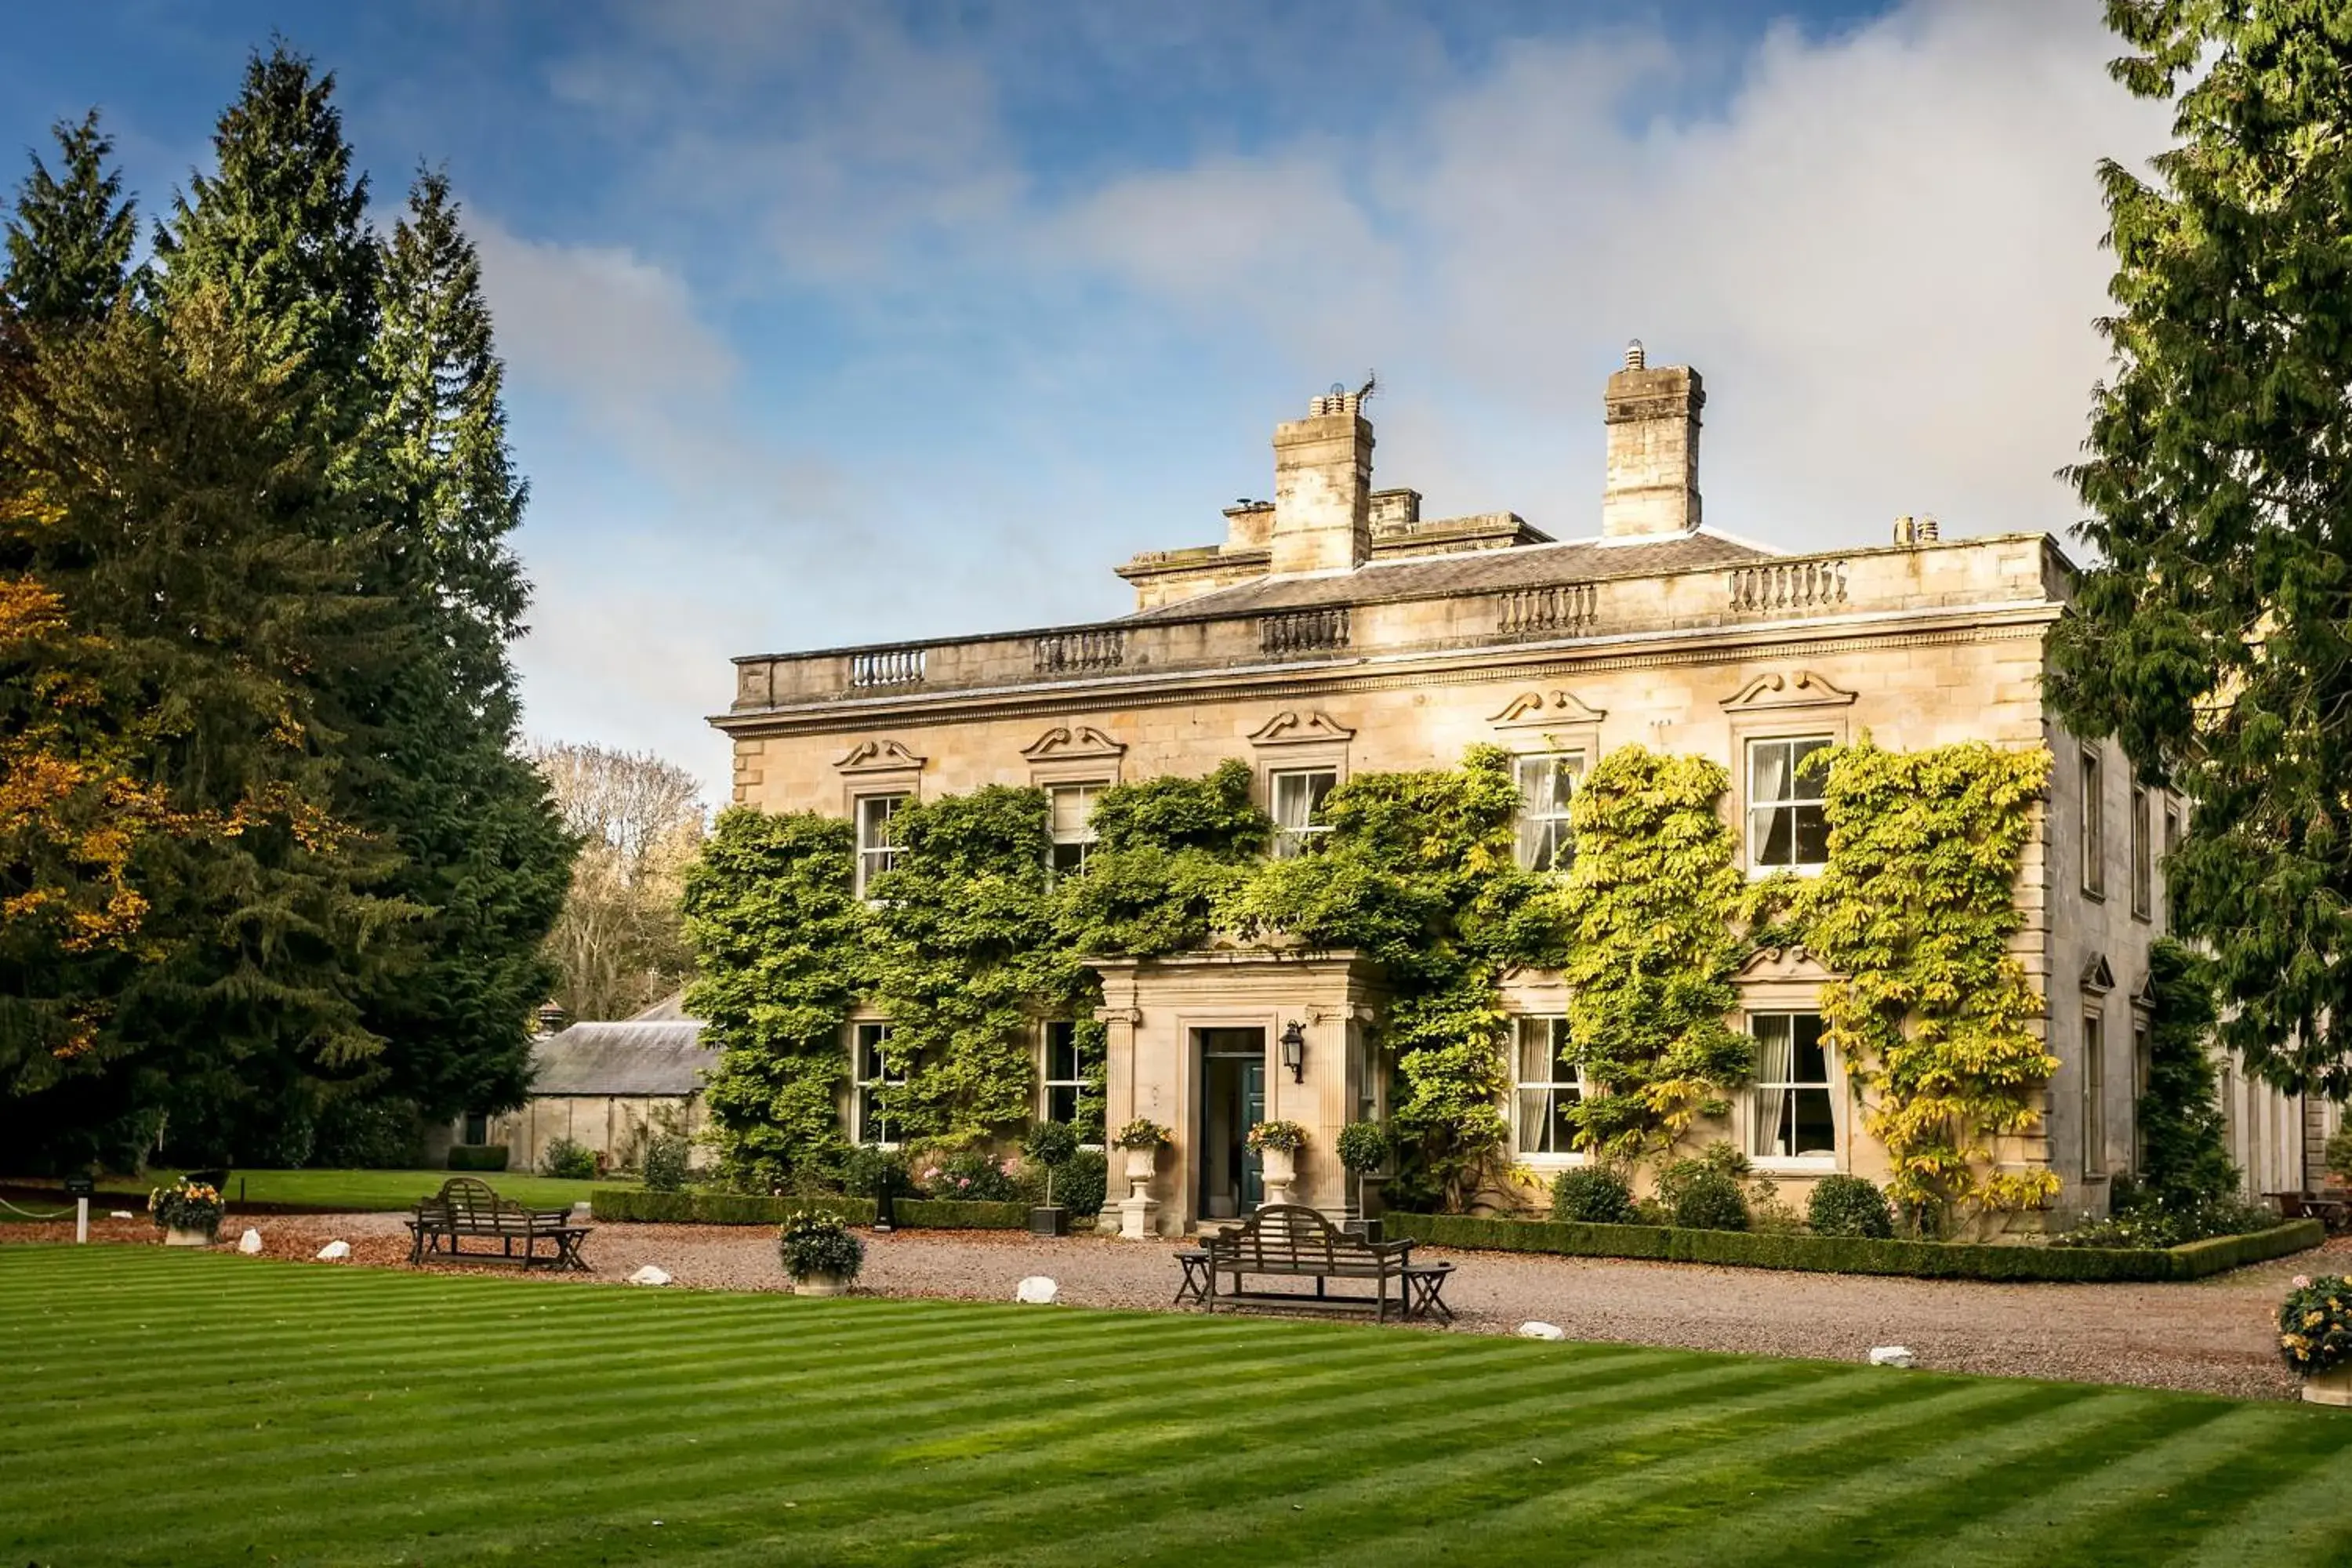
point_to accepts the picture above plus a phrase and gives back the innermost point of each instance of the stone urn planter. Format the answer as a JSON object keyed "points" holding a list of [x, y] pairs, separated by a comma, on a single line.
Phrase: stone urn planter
{"points": [[1140, 1141], [1281, 1169], [174, 1235], [2329, 1387], [1142, 1165], [820, 1284]]}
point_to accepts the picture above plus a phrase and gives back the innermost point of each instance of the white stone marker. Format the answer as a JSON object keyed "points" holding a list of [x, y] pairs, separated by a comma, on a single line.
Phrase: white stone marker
{"points": [[1037, 1291], [649, 1275], [250, 1242], [1534, 1331], [333, 1252], [1892, 1355]]}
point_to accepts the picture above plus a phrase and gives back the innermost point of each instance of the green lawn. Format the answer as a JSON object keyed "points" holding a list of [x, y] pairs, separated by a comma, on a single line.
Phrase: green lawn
{"points": [[331, 1190], [196, 1408]]}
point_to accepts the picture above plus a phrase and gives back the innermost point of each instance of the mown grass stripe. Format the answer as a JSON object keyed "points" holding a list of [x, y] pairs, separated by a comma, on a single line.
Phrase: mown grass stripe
{"points": [[517, 1420]]}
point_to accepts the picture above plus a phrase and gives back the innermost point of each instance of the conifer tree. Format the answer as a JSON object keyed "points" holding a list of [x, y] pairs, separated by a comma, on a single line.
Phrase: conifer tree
{"points": [[69, 237], [2215, 638]]}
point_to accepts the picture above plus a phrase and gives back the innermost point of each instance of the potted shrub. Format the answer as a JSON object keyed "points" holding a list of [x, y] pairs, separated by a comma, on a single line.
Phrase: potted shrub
{"points": [[1364, 1150], [1052, 1145], [820, 1255], [1278, 1144], [187, 1212], [2315, 1337]]}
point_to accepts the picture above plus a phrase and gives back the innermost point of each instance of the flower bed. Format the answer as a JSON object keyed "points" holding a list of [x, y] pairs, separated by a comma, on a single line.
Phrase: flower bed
{"points": [[1858, 1255], [625, 1204]]}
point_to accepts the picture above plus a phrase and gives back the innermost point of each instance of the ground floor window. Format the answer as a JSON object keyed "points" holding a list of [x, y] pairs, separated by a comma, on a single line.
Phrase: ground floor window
{"points": [[2095, 1096], [874, 1069], [1548, 1088], [1065, 1095], [1794, 1118], [477, 1128]]}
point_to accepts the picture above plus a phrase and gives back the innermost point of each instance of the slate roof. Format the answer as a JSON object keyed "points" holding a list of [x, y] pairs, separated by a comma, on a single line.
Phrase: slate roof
{"points": [[658, 1052], [1469, 572]]}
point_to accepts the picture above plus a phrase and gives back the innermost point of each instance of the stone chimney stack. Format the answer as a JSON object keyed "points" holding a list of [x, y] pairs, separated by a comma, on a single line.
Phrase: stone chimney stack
{"points": [[1652, 490], [1323, 486]]}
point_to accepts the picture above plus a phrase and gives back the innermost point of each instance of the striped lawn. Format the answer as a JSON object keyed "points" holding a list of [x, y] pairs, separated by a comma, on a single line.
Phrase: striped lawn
{"points": [[194, 1408]]}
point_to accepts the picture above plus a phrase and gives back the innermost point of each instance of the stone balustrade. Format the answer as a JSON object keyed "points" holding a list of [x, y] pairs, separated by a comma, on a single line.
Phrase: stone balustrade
{"points": [[1766, 592]]}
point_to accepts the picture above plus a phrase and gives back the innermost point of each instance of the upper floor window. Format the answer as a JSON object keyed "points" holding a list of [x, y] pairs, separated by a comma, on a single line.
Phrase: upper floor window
{"points": [[1548, 1088], [1546, 783], [1788, 829], [2171, 842], [1299, 808], [877, 842], [2143, 868], [874, 1069], [1794, 1117], [1073, 824], [2094, 827]]}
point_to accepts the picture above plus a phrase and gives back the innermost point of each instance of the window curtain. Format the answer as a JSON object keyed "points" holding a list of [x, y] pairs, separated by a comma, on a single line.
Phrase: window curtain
{"points": [[1775, 1065]]}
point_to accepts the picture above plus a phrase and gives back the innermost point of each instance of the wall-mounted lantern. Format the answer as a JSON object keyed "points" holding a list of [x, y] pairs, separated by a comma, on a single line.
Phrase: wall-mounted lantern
{"points": [[1294, 1051]]}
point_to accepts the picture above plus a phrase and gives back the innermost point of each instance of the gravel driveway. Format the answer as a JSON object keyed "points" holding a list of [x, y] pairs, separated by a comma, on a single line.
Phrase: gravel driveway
{"points": [[2215, 1335]]}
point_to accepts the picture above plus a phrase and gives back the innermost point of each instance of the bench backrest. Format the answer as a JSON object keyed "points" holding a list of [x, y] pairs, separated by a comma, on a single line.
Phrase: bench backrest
{"points": [[1288, 1236], [470, 1197]]}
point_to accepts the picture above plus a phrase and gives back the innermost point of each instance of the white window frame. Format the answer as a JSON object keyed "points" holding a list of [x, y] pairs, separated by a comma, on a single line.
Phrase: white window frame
{"points": [[1047, 1083], [1556, 1027], [1555, 846], [860, 1085], [1289, 842], [1081, 837], [1828, 1159], [1760, 812], [2095, 1095], [878, 855], [2095, 825]]}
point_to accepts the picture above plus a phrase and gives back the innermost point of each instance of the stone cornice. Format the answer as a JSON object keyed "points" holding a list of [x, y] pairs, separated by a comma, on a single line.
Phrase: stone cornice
{"points": [[1563, 658]]}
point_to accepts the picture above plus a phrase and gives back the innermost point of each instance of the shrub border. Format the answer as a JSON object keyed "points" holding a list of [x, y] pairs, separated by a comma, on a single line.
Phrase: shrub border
{"points": [[1856, 1254], [634, 1205]]}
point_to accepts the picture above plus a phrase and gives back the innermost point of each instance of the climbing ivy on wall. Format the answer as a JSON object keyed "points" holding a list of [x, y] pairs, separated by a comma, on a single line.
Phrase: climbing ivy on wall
{"points": [[1934, 1016], [1418, 874], [1653, 899], [780, 940]]}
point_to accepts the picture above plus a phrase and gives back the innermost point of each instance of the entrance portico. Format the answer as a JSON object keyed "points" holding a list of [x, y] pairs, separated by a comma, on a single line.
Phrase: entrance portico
{"points": [[1194, 1042]]}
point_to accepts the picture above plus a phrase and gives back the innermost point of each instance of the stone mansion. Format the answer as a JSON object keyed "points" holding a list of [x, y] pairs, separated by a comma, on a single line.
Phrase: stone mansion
{"points": [[1335, 628]]}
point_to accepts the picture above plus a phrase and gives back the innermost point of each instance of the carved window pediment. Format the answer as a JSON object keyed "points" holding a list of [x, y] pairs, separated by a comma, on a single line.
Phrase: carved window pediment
{"points": [[1545, 710], [1289, 728], [2097, 975], [1776, 692], [1070, 743], [1791, 964], [880, 757]]}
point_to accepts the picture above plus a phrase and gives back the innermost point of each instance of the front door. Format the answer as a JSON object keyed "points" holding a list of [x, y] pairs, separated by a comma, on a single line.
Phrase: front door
{"points": [[1232, 1101]]}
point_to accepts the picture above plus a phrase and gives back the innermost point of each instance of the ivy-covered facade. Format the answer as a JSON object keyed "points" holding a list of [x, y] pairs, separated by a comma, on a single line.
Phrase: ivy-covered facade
{"points": [[1535, 852]]}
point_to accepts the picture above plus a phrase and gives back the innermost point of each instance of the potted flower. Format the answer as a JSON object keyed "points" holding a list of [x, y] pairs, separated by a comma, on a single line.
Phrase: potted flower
{"points": [[1052, 1145], [1277, 1145], [2315, 1337], [1363, 1148], [187, 1212], [819, 1254]]}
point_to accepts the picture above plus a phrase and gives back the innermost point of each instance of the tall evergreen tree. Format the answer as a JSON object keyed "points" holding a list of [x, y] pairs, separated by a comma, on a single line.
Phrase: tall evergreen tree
{"points": [[164, 488], [482, 840], [70, 235], [2215, 639], [279, 228]]}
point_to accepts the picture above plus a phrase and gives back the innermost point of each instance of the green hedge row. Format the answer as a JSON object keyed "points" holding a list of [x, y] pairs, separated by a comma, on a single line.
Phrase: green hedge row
{"points": [[477, 1156], [626, 1203], [1854, 1254]]}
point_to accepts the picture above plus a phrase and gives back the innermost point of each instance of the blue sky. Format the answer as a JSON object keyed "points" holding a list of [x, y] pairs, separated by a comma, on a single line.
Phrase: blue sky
{"points": [[845, 322]]}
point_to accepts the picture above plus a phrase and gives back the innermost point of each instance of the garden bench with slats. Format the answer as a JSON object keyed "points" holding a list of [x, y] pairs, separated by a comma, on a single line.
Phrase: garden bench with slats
{"points": [[1290, 1240], [468, 1206]]}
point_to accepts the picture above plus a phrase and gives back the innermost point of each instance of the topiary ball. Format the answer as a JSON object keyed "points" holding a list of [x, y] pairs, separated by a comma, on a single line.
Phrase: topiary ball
{"points": [[1590, 1195], [1711, 1201], [1849, 1206]]}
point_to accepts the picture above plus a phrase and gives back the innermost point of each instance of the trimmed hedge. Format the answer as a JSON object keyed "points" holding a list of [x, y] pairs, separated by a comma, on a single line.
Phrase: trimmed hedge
{"points": [[477, 1156], [1856, 1254], [631, 1203]]}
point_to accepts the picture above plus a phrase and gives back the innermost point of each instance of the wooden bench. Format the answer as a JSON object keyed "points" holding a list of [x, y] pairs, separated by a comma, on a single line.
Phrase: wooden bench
{"points": [[1294, 1241], [2332, 1209], [467, 1206]]}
